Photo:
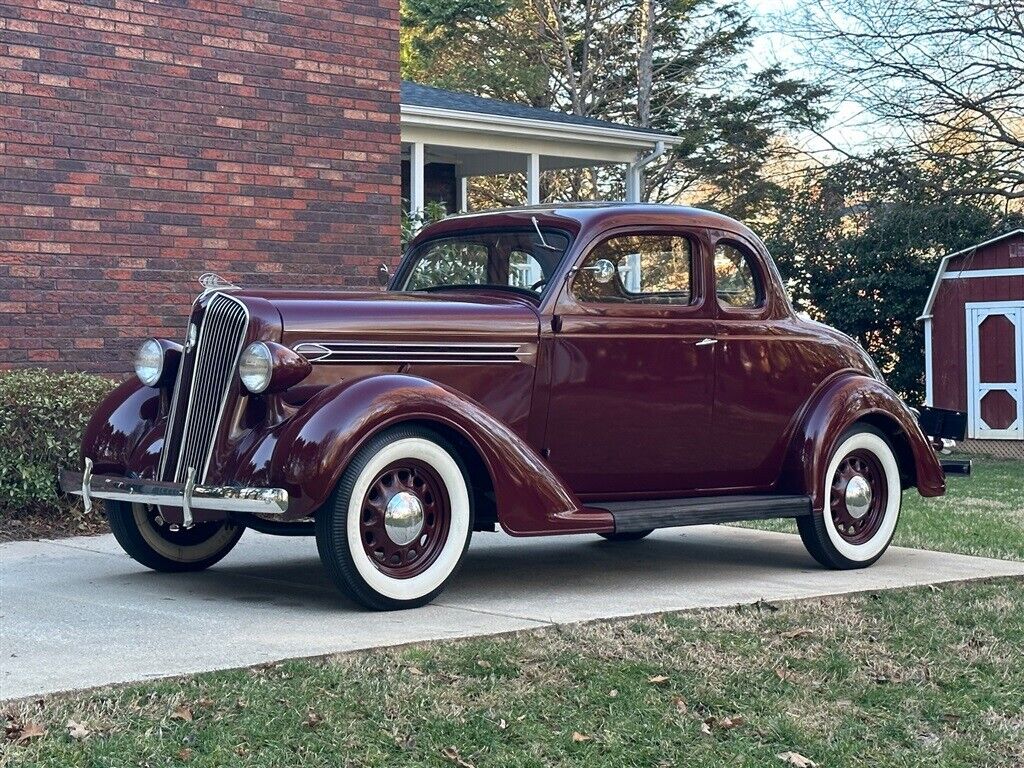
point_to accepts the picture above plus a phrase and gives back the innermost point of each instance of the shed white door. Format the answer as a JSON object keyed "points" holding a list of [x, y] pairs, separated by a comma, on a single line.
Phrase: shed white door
{"points": [[995, 370]]}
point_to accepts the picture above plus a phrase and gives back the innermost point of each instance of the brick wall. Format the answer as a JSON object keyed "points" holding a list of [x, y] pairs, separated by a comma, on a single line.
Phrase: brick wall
{"points": [[143, 143]]}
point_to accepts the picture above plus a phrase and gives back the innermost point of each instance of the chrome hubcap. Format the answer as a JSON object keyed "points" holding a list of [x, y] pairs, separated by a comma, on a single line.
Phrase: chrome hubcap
{"points": [[403, 518], [858, 497]]}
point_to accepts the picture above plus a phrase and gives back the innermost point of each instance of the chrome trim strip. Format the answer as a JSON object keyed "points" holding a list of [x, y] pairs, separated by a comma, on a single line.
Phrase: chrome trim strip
{"points": [[346, 352], [261, 501]]}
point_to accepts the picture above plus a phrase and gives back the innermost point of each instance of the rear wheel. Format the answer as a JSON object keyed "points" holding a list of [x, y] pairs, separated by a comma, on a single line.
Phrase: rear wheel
{"points": [[399, 522], [862, 502], [149, 540], [626, 535]]}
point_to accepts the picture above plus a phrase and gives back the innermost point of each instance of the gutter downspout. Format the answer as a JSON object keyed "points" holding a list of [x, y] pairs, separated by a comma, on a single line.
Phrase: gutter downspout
{"points": [[634, 173]]}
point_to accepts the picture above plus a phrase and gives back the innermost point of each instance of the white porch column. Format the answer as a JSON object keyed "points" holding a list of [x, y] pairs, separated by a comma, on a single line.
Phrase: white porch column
{"points": [[416, 162], [634, 182], [462, 194], [533, 179]]}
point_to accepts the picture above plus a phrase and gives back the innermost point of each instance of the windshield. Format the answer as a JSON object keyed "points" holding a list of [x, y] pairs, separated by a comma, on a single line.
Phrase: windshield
{"points": [[518, 260]]}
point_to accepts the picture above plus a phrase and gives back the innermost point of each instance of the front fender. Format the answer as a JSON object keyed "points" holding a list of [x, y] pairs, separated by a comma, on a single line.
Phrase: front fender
{"points": [[832, 411], [315, 445], [118, 426]]}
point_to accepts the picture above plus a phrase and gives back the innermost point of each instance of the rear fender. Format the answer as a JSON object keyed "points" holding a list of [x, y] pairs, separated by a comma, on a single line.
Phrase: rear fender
{"points": [[313, 448], [839, 405]]}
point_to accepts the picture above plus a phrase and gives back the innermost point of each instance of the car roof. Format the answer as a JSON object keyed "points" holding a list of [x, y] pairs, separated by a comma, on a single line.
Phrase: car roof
{"points": [[578, 216]]}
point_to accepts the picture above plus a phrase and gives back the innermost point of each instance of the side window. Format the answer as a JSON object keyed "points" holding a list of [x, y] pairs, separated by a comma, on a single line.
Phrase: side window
{"points": [[637, 269], [736, 280]]}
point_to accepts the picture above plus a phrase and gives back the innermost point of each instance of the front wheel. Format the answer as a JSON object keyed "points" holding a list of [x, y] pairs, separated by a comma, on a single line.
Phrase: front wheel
{"points": [[149, 540], [399, 522], [862, 503]]}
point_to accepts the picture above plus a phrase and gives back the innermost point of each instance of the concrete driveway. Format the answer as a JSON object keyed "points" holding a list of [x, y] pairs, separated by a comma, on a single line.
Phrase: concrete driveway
{"points": [[77, 613]]}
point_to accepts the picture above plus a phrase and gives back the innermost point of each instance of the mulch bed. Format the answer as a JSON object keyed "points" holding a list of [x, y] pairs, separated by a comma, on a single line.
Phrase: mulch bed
{"points": [[72, 522]]}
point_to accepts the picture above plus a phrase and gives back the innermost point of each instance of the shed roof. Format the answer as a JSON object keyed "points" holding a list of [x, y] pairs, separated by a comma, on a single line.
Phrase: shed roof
{"points": [[944, 264], [418, 95]]}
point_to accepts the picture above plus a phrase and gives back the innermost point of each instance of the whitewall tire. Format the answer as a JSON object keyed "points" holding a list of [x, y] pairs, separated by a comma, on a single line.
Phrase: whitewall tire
{"points": [[399, 522], [862, 494]]}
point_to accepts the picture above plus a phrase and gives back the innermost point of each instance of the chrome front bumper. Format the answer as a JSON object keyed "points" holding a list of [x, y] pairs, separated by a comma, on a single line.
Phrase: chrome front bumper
{"points": [[259, 501]]}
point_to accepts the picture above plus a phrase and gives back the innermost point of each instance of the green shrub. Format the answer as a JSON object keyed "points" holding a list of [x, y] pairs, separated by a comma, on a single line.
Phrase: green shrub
{"points": [[42, 416]]}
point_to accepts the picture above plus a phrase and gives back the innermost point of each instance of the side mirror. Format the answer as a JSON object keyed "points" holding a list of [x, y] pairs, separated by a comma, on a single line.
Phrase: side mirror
{"points": [[603, 269], [383, 275]]}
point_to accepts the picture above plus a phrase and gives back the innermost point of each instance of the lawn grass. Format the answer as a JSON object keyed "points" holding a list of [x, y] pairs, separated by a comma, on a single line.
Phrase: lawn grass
{"points": [[924, 676], [982, 514]]}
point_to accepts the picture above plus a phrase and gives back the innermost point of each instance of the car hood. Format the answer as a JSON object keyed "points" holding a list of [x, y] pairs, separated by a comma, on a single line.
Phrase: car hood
{"points": [[316, 316]]}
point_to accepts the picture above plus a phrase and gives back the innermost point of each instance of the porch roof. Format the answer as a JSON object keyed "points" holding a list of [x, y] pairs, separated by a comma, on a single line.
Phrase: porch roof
{"points": [[482, 136]]}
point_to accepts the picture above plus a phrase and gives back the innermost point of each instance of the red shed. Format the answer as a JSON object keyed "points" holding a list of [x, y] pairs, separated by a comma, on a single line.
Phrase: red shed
{"points": [[974, 339]]}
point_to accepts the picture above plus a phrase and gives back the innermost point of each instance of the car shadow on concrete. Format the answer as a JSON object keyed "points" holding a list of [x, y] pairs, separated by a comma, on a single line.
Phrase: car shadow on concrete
{"points": [[281, 573]]}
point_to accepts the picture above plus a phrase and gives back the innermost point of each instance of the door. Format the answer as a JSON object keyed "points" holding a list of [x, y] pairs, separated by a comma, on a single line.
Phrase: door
{"points": [[632, 369], [765, 370], [995, 381]]}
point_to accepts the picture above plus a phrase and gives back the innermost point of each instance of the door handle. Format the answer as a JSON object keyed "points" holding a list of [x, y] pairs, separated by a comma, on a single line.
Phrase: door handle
{"points": [[706, 342]]}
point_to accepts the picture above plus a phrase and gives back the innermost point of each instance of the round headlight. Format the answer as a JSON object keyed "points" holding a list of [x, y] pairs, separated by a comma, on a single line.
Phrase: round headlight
{"points": [[256, 367], [149, 362]]}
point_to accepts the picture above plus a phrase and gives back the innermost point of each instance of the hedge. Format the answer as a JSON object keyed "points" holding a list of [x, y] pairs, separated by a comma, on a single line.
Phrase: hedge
{"points": [[42, 416]]}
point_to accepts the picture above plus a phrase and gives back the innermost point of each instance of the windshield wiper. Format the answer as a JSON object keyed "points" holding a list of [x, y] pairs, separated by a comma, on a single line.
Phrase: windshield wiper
{"points": [[543, 242]]}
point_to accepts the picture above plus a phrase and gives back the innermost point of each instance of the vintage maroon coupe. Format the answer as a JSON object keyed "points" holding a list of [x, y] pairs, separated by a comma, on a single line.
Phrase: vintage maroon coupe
{"points": [[605, 369]]}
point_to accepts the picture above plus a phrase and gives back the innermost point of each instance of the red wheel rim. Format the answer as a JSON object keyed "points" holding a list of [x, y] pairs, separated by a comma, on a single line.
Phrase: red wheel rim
{"points": [[856, 516], [404, 478]]}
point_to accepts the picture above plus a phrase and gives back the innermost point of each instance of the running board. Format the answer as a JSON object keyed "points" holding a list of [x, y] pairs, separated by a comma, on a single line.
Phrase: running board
{"points": [[631, 516]]}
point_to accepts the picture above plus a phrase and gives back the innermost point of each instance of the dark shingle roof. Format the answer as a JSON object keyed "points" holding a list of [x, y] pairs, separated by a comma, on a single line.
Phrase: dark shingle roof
{"points": [[415, 94]]}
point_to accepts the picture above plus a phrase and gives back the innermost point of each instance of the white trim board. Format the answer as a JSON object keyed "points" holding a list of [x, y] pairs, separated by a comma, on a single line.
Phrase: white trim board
{"points": [[983, 273], [929, 380]]}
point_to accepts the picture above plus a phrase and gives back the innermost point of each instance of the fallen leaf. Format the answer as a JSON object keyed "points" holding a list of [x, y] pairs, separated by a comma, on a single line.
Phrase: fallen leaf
{"points": [[415, 671], [312, 720], [580, 737], [658, 679], [184, 754], [802, 632], [30, 731], [182, 713], [723, 723], [681, 706], [483, 663], [705, 728], [451, 753], [77, 731], [797, 760]]}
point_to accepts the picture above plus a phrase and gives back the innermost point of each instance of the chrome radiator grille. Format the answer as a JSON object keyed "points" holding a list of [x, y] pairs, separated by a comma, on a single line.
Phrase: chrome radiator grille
{"points": [[201, 392]]}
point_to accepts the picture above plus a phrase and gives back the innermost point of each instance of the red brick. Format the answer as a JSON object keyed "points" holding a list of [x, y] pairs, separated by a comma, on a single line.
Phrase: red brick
{"points": [[167, 159]]}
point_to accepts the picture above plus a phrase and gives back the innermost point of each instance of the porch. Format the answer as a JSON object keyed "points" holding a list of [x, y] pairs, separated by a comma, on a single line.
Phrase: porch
{"points": [[448, 138]]}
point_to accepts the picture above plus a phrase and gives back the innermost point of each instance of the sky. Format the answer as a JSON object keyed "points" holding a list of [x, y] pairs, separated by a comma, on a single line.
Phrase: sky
{"points": [[845, 128]]}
